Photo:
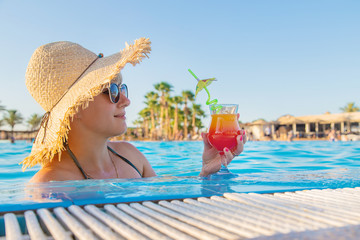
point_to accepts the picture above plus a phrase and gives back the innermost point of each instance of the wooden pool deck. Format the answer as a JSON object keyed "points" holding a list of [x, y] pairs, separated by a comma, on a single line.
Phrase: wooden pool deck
{"points": [[308, 214]]}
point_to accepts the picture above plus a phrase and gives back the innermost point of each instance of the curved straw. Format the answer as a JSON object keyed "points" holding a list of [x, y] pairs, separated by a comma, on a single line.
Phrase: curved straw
{"points": [[208, 102]]}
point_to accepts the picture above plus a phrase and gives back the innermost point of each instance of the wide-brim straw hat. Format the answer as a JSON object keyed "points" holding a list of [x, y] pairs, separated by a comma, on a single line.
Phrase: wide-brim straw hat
{"points": [[63, 77]]}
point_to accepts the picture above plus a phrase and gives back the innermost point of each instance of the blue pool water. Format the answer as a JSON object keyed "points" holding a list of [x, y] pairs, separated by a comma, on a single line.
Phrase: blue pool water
{"points": [[263, 167]]}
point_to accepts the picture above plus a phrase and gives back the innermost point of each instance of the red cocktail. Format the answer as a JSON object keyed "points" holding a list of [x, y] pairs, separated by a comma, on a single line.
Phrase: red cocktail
{"points": [[224, 129]]}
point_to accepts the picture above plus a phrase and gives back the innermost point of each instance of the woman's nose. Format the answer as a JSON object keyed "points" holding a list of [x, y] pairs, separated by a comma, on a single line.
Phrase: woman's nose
{"points": [[124, 100]]}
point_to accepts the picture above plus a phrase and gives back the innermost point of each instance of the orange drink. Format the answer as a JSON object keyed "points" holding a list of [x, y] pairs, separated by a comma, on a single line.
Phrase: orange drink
{"points": [[223, 131]]}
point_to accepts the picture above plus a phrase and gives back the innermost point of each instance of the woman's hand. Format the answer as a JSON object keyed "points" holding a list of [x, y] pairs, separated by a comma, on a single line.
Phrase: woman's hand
{"points": [[211, 157]]}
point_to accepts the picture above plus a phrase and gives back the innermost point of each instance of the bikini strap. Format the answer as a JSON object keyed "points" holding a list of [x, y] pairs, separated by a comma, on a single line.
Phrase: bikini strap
{"points": [[123, 158], [76, 161]]}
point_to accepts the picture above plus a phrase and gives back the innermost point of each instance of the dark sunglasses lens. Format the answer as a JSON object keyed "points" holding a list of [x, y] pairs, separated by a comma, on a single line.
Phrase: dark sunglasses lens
{"points": [[114, 93], [124, 90]]}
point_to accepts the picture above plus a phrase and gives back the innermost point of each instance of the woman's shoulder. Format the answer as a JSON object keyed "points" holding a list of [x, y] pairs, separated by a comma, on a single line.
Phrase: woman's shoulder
{"points": [[47, 175], [120, 143], [123, 147], [54, 172], [133, 154], [129, 151]]}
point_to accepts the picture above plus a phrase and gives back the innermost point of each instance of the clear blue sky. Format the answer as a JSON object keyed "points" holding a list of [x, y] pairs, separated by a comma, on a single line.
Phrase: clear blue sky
{"points": [[270, 57]]}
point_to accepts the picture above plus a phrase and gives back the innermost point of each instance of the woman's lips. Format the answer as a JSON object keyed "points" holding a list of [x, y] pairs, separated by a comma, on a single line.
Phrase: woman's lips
{"points": [[122, 115]]}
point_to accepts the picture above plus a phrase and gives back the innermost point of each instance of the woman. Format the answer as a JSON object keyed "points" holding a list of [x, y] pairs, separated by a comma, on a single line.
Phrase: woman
{"points": [[85, 103]]}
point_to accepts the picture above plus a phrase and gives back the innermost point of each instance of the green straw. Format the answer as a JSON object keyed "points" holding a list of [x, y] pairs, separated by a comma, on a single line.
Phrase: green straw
{"points": [[208, 102], [194, 75]]}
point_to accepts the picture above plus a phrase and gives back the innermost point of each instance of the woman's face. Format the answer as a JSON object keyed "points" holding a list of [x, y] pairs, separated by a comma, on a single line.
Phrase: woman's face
{"points": [[104, 117]]}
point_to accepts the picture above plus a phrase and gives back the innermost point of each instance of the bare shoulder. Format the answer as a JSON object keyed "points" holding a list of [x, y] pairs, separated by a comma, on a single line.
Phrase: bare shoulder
{"points": [[128, 150], [133, 154], [46, 175], [53, 173], [122, 144]]}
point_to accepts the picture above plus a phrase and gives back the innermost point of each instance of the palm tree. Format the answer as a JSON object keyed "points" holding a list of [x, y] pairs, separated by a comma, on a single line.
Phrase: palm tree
{"points": [[177, 100], [152, 103], [12, 118], [196, 110], [350, 107], [139, 129], [164, 89], [138, 122], [168, 106], [145, 115], [187, 96], [34, 121], [198, 124]]}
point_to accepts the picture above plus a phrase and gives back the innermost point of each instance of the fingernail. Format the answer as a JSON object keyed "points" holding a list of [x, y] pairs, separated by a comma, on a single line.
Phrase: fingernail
{"points": [[227, 150], [244, 132], [240, 138]]}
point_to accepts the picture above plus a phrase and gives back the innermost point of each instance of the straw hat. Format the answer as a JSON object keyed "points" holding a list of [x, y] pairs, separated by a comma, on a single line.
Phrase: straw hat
{"points": [[64, 76]]}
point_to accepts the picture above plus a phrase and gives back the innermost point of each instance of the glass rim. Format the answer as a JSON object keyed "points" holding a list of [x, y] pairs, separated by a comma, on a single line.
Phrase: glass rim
{"points": [[223, 108], [224, 104]]}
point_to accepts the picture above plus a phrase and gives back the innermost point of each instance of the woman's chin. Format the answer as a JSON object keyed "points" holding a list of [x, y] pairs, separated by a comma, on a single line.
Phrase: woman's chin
{"points": [[122, 130]]}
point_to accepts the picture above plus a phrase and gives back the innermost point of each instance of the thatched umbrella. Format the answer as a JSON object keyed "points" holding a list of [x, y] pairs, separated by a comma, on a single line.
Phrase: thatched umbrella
{"points": [[289, 120]]}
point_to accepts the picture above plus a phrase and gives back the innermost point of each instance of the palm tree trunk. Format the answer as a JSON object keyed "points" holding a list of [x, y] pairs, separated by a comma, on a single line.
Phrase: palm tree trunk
{"points": [[152, 124], [162, 107], [176, 130], [185, 121], [167, 122], [161, 126], [193, 122], [146, 125]]}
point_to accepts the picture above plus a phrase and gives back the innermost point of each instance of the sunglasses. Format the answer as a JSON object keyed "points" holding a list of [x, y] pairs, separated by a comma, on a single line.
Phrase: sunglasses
{"points": [[114, 91]]}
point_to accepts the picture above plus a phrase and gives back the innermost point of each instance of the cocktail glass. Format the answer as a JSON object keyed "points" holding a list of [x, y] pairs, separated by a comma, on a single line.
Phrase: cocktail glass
{"points": [[224, 129]]}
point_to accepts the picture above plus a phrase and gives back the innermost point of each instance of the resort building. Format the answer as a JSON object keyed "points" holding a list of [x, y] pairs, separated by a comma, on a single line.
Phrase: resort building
{"points": [[18, 135], [305, 127]]}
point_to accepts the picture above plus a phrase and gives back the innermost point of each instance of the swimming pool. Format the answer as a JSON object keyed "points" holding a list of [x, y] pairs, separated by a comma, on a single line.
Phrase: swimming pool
{"points": [[263, 167]]}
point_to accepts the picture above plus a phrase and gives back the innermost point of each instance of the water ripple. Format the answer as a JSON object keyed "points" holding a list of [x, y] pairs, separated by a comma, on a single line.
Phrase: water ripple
{"points": [[275, 161]]}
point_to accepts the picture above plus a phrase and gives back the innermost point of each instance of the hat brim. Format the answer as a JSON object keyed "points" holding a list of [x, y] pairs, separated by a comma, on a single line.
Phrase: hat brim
{"points": [[53, 134]]}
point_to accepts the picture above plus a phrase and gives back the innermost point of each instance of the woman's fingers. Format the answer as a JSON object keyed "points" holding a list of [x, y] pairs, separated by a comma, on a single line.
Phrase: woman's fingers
{"points": [[240, 145], [205, 140], [243, 132], [244, 137], [228, 156]]}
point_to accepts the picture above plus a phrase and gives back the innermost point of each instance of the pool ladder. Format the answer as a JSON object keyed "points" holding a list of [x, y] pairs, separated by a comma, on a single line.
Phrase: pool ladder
{"points": [[310, 214]]}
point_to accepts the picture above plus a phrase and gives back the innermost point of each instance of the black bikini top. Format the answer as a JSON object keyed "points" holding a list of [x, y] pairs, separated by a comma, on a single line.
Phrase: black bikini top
{"points": [[83, 172]]}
